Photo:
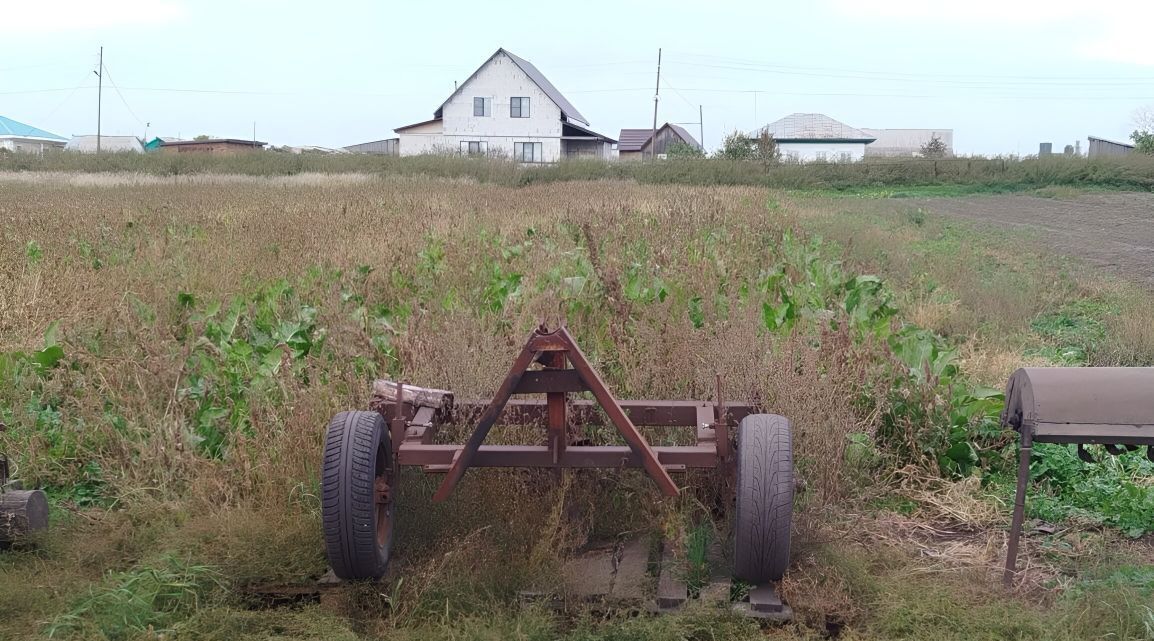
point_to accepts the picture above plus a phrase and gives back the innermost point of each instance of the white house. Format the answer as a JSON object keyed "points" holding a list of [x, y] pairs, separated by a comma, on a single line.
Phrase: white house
{"points": [[816, 138], [506, 108], [906, 142], [17, 136], [108, 144]]}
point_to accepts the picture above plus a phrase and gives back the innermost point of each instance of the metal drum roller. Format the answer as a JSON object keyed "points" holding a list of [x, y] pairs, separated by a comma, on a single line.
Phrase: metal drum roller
{"points": [[1110, 406]]}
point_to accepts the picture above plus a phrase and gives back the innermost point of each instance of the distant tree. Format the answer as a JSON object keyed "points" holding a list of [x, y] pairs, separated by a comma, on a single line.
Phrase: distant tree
{"points": [[737, 146], [1143, 141], [681, 149], [1143, 134], [935, 147], [203, 137], [766, 150]]}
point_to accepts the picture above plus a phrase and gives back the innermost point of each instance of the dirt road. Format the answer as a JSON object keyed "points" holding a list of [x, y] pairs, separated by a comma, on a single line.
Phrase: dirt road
{"points": [[1111, 230]]}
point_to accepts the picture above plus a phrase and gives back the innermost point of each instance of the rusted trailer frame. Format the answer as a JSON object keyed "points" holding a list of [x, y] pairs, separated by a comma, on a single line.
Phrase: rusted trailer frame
{"points": [[1110, 406], [364, 450], [565, 371]]}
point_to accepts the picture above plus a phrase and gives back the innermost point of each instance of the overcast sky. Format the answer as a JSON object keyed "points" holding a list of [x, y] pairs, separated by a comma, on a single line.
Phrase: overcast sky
{"points": [[1003, 74]]}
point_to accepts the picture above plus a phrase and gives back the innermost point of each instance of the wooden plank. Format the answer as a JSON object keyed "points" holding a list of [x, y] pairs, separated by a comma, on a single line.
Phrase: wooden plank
{"points": [[386, 391], [672, 591]]}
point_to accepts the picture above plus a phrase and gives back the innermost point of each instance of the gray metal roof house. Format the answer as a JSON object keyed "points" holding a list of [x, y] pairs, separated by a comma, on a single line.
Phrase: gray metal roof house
{"points": [[108, 144], [809, 137], [636, 143]]}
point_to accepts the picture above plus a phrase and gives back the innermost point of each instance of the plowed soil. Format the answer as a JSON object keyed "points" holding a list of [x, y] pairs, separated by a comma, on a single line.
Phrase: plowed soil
{"points": [[1114, 231]]}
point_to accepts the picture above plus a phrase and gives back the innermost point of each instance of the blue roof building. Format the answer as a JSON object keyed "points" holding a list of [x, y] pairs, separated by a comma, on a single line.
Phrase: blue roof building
{"points": [[17, 136]]}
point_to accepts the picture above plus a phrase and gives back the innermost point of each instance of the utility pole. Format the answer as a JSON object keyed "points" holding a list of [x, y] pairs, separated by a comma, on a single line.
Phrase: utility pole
{"points": [[656, 95], [99, 95], [701, 125]]}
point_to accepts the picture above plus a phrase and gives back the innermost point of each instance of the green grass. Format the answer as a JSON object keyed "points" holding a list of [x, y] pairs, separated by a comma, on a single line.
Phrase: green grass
{"points": [[874, 178]]}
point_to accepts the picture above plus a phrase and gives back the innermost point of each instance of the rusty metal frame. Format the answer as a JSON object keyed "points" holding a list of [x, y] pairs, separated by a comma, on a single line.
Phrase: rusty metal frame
{"points": [[415, 415]]}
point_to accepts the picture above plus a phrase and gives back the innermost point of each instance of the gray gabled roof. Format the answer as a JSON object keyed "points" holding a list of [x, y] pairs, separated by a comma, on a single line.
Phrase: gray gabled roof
{"points": [[568, 111], [87, 144], [813, 128], [635, 139]]}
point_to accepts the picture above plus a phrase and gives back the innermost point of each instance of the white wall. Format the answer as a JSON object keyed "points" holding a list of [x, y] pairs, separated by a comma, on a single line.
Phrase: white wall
{"points": [[818, 151], [29, 145], [500, 80]]}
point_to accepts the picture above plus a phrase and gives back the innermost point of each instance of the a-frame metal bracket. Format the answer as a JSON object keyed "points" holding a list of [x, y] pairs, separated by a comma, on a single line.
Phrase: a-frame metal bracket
{"points": [[554, 348]]}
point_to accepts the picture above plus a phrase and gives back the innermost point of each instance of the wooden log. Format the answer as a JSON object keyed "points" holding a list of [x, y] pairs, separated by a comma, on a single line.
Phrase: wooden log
{"points": [[22, 512], [386, 390]]}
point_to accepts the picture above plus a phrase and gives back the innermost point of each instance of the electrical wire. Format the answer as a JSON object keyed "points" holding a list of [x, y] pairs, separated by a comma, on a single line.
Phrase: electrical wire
{"points": [[1014, 79], [68, 97], [126, 106]]}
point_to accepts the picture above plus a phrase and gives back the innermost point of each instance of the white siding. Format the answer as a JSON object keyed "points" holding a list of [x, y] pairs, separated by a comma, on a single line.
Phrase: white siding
{"points": [[28, 145], [500, 80], [819, 151]]}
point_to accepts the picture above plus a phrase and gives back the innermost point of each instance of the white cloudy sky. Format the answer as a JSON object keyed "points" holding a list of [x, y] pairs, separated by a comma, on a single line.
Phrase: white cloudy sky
{"points": [[1004, 75]]}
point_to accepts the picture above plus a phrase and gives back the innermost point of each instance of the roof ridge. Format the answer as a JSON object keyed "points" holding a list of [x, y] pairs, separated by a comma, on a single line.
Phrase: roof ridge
{"points": [[534, 74]]}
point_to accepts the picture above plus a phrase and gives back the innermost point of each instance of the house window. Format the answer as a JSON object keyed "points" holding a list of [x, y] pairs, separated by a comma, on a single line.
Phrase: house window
{"points": [[820, 156], [473, 147], [519, 108], [482, 107], [844, 157], [527, 151]]}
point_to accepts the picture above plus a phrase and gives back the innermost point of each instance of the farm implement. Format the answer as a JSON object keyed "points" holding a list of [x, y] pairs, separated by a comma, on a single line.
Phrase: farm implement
{"points": [[364, 451], [1109, 406]]}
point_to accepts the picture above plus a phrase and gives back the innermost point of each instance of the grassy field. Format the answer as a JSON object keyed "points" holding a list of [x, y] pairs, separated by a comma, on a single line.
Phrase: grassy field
{"points": [[171, 348], [887, 176]]}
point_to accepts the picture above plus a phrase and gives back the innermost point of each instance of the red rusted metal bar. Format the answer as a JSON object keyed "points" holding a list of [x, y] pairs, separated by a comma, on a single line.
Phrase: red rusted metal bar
{"points": [[488, 419], [705, 431], [398, 425], [555, 400], [721, 424], [438, 458], [650, 413], [545, 341], [423, 427], [618, 416], [551, 380]]}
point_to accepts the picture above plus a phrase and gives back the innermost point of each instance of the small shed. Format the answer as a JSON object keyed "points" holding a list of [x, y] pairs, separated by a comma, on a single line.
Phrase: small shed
{"points": [[215, 146], [634, 144], [1102, 147]]}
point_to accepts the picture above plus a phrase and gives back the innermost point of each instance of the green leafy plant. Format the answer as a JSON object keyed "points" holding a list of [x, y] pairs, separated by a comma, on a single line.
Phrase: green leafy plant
{"points": [[239, 355]]}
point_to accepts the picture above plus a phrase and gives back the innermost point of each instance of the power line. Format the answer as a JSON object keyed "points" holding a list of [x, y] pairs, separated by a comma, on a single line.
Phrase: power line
{"points": [[745, 63], [126, 106], [679, 94], [68, 97]]}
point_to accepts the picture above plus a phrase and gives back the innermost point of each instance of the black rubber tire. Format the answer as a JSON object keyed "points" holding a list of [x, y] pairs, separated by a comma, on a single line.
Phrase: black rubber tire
{"points": [[357, 452], [764, 498]]}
